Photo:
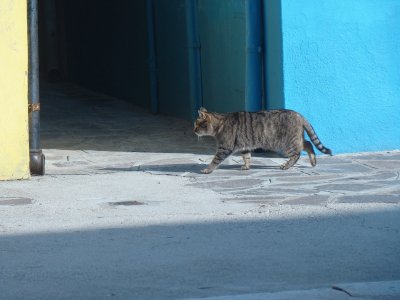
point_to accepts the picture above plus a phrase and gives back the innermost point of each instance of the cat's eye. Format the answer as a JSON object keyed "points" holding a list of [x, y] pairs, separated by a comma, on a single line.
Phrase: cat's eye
{"points": [[203, 125]]}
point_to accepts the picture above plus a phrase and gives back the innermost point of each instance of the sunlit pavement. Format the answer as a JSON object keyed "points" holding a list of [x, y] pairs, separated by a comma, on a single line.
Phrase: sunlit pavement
{"points": [[143, 225]]}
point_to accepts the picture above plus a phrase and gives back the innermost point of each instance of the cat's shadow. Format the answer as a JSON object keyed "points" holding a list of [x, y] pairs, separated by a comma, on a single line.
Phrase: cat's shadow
{"points": [[186, 167]]}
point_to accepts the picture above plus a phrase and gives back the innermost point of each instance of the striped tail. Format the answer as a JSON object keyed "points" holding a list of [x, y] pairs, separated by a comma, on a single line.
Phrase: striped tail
{"points": [[314, 138]]}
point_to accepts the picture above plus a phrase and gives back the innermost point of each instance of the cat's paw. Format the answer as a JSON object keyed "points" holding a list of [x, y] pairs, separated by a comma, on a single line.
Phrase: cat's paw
{"points": [[245, 168], [206, 171], [284, 167]]}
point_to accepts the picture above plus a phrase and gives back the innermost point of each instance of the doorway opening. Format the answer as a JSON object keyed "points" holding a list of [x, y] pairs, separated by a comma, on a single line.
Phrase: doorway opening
{"points": [[95, 82]]}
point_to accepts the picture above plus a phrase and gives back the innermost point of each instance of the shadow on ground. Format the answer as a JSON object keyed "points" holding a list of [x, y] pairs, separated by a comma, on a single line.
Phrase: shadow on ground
{"points": [[199, 260], [177, 169]]}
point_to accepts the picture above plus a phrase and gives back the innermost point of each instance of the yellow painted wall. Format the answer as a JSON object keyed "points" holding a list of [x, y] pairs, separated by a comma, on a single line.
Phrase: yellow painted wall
{"points": [[14, 134]]}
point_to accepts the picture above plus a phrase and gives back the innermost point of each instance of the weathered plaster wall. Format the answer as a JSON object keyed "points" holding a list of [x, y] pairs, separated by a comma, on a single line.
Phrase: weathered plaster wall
{"points": [[14, 143], [341, 65]]}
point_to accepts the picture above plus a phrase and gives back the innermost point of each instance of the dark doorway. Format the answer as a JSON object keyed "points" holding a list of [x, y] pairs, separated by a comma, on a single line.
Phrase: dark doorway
{"points": [[95, 80], [101, 45]]}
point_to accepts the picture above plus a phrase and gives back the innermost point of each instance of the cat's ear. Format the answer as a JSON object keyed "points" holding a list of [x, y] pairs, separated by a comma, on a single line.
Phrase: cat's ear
{"points": [[202, 112]]}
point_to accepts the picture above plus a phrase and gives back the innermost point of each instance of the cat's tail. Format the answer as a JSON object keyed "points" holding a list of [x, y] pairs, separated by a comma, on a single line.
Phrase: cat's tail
{"points": [[314, 138]]}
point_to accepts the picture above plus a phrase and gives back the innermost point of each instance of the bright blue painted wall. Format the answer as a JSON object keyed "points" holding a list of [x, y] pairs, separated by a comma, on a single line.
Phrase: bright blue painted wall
{"points": [[341, 70]]}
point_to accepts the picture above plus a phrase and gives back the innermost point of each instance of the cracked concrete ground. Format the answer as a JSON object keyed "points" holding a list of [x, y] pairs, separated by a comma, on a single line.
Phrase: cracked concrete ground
{"points": [[135, 225], [139, 221], [356, 178]]}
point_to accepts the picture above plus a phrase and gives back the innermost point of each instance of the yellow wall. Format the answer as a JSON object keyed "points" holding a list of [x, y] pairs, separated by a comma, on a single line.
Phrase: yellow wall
{"points": [[14, 136]]}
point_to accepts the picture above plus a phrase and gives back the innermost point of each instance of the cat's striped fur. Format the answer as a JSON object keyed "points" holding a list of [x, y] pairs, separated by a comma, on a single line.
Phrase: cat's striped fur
{"points": [[274, 130]]}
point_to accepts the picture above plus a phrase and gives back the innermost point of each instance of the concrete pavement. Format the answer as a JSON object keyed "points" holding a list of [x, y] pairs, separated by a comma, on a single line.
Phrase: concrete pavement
{"points": [[386, 290], [140, 225]]}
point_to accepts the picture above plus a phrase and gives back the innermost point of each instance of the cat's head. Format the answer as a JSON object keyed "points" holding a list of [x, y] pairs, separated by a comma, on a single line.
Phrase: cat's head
{"points": [[206, 123]]}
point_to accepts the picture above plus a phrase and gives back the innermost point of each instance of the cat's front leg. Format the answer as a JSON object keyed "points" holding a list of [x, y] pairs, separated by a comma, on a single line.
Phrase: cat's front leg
{"points": [[206, 171], [246, 159], [220, 156]]}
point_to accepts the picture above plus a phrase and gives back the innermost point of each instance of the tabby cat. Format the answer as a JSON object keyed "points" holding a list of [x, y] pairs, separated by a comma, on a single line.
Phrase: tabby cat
{"points": [[274, 130]]}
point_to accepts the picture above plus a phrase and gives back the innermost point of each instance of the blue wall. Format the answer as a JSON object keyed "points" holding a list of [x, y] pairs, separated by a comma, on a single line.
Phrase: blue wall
{"points": [[341, 70], [172, 58], [273, 70], [222, 35], [221, 27]]}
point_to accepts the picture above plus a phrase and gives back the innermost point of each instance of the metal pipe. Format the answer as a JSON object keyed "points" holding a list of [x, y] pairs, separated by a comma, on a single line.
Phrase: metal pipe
{"points": [[253, 90], [152, 57], [37, 159], [192, 32]]}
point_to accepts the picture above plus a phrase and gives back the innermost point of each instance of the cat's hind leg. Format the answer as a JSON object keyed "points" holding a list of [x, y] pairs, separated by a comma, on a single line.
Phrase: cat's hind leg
{"points": [[290, 163], [246, 158], [292, 148], [310, 151]]}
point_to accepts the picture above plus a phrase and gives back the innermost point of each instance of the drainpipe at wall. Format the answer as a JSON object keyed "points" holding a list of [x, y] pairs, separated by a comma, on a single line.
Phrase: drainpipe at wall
{"points": [[253, 89], [193, 37], [37, 159], [152, 57]]}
